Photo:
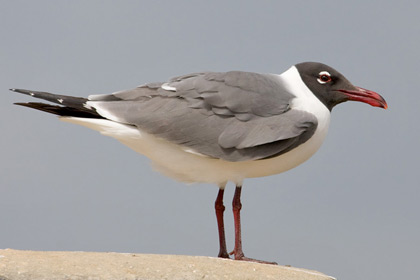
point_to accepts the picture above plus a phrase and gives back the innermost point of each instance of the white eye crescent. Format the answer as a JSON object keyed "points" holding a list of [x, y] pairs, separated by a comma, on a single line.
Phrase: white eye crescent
{"points": [[324, 77]]}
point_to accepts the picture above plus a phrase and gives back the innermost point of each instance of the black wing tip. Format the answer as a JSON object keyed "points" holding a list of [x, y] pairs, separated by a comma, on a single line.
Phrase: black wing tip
{"points": [[23, 103], [24, 91], [27, 104], [62, 111]]}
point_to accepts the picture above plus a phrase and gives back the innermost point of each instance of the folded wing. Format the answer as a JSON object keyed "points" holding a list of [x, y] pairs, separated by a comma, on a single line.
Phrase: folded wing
{"points": [[234, 116]]}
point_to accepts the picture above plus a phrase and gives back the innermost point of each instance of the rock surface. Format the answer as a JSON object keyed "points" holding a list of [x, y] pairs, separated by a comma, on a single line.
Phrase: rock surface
{"points": [[35, 265]]}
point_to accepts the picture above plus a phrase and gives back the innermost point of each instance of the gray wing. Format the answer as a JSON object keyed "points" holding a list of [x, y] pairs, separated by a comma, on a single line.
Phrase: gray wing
{"points": [[235, 116]]}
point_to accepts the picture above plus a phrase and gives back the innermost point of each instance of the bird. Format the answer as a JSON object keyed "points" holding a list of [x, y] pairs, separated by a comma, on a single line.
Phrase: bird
{"points": [[218, 127]]}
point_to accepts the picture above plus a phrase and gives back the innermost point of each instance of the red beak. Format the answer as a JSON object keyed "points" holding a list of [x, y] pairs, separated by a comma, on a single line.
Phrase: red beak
{"points": [[367, 96]]}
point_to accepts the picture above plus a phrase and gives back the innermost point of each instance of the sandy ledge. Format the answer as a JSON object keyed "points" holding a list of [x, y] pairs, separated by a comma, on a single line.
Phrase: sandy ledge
{"points": [[36, 265]]}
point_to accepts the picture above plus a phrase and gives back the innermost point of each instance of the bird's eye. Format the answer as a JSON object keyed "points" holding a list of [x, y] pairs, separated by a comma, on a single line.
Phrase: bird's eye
{"points": [[324, 77]]}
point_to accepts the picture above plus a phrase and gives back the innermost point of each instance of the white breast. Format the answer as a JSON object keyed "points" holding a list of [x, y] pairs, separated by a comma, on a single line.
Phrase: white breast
{"points": [[189, 166]]}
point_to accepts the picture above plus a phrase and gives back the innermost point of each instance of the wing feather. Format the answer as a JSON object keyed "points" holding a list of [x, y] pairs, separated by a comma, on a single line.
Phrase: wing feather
{"points": [[235, 116]]}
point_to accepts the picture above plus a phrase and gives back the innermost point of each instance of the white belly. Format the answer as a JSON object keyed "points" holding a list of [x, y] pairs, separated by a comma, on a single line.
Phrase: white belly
{"points": [[184, 165]]}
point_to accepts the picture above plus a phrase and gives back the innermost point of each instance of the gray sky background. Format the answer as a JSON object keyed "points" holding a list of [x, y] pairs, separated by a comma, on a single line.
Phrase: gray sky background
{"points": [[351, 211]]}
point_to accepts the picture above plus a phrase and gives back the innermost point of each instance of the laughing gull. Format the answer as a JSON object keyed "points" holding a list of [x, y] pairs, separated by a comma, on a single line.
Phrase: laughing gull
{"points": [[213, 127]]}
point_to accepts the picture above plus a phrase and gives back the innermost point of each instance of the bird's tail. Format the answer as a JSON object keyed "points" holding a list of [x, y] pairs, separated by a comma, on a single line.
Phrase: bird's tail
{"points": [[68, 106]]}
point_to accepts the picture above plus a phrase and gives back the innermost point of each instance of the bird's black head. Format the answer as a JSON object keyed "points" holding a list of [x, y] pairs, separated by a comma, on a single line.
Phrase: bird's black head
{"points": [[332, 88]]}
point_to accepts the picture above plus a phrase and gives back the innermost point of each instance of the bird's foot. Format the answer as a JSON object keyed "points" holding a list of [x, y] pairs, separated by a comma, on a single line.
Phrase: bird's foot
{"points": [[223, 255], [241, 257]]}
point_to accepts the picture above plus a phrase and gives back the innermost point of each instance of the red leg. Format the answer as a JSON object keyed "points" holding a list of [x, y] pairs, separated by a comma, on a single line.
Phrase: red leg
{"points": [[236, 207], [220, 208]]}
